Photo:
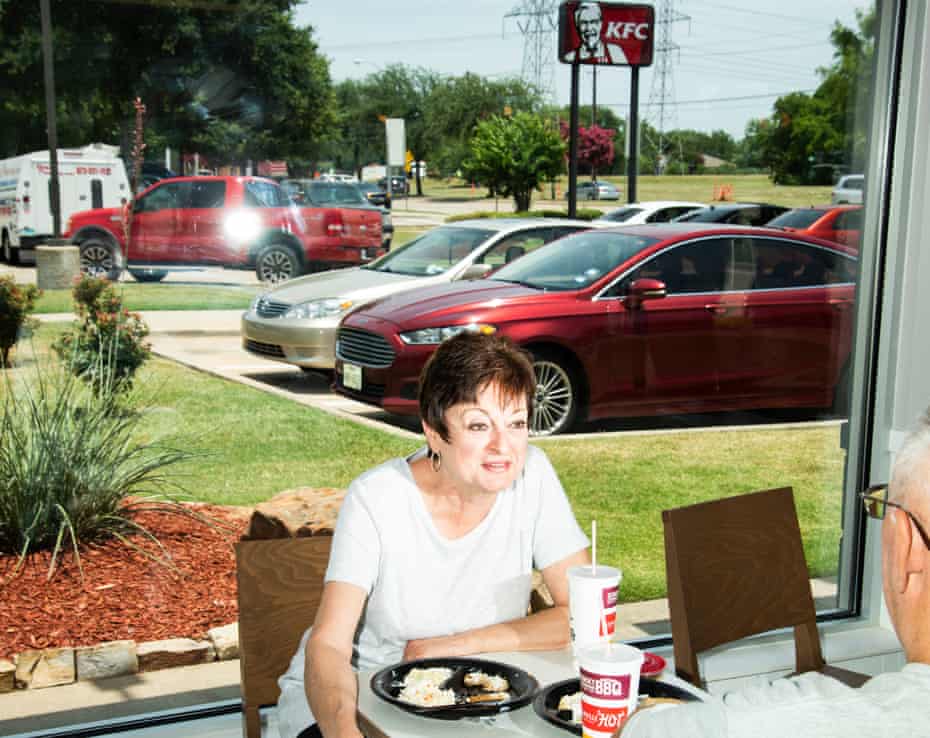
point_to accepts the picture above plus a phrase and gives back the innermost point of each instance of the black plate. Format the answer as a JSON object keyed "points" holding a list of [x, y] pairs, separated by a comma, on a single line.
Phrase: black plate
{"points": [[546, 703], [388, 683]]}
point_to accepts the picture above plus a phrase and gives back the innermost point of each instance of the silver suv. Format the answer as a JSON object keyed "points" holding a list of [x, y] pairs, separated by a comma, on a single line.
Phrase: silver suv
{"points": [[848, 190]]}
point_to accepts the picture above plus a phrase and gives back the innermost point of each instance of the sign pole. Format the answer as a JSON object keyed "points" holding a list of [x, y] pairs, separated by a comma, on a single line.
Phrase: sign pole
{"points": [[48, 68], [573, 146], [632, 160]]}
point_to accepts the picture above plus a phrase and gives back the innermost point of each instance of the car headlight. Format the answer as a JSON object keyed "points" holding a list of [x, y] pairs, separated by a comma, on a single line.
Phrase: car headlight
{"points": [[253, 307], [318, 309], [430, 336]]}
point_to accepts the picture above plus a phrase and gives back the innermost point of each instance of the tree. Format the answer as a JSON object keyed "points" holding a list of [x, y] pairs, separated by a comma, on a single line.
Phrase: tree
{"points": [[595, 146], [513, 155], [235, 84]]}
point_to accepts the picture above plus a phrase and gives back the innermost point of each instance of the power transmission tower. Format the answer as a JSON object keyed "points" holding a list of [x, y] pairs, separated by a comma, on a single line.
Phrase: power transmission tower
{"points": [[660, 110], [538, 22]]}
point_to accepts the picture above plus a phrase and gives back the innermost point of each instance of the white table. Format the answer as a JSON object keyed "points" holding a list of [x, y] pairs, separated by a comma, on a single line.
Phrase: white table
{"points": [[379, 719]]}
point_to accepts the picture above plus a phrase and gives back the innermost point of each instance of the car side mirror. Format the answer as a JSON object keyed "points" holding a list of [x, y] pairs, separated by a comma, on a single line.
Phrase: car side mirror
{"points": [[644, 289], [476, 271]]}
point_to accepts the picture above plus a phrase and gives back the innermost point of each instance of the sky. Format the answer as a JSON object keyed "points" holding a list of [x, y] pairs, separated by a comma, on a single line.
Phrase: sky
{"points": [[733, 58]]}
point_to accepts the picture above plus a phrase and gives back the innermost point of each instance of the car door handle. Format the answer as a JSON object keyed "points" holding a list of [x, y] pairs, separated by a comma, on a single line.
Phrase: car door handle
{"points": [[717, 309], [840, 303]]}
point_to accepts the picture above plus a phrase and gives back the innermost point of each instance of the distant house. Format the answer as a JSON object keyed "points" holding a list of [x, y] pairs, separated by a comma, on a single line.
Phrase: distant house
{"points": [[713, 162]]}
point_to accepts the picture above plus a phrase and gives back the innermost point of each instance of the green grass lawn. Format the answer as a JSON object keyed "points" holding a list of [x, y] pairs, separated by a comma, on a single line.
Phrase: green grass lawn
{"points": [[252, 445], [163, 297], [696, 187]]}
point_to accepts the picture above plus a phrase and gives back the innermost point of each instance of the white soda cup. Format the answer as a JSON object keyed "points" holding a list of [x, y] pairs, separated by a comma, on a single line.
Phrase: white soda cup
{"points": [[609, 686], [591, 592]]}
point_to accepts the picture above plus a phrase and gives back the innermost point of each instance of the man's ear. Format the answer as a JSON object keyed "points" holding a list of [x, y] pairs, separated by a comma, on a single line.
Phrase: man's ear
{"points": [[901, 548]]}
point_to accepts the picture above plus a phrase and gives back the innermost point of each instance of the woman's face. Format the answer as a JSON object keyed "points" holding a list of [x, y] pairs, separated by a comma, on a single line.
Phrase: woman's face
{"points": [[487, 441]]}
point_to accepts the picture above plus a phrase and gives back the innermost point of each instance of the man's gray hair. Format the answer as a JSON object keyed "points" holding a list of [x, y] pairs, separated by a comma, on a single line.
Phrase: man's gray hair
{"points": [[586, 6], [911, 470]]}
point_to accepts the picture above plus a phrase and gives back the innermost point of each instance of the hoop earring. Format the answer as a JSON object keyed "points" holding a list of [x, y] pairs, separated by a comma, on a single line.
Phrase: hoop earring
{"points": [[435, 460]]}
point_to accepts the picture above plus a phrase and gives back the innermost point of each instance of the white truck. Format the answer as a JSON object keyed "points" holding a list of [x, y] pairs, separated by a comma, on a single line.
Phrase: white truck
{"points": [[89, 177]]}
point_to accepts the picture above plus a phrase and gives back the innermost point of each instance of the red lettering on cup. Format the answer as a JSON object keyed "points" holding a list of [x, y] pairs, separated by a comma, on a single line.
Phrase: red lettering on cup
{"points": [[609, 596], [611, 618], [602, 719], [605, 686]]}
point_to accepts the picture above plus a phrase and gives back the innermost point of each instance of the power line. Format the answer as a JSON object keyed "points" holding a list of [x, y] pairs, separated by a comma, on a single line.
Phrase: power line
{"points": [[753, 11], [719, 99], [536, 20]]}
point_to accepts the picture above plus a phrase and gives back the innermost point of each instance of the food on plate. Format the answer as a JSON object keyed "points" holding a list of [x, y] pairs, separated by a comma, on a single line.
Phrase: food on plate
{"points": [[571, 703], [487, 682], [423, 688], [488, 697]]}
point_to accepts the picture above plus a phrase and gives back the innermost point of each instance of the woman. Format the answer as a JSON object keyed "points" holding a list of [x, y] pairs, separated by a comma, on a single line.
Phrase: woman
{"points": [[434, 553]]}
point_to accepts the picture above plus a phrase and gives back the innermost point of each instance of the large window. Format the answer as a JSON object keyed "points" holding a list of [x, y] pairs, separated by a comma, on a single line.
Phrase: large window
{"points": [[755, 368]]}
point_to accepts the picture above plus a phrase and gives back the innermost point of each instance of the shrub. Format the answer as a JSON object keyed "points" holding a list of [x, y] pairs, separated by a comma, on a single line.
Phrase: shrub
{"points": [[16, 302], [107, 344], [71, 471]]}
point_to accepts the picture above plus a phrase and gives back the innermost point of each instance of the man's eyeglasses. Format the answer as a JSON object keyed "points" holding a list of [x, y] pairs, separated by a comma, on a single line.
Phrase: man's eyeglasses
{"points": [[875, 499]]}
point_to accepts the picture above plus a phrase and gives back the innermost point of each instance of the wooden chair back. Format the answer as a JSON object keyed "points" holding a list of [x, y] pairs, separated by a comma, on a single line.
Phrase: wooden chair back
{"points": [[280, 585], [736, 568]]}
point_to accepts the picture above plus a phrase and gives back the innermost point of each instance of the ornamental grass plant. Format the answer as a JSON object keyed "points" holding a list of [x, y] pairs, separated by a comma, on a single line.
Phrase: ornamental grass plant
{"points": [[72, 471]]}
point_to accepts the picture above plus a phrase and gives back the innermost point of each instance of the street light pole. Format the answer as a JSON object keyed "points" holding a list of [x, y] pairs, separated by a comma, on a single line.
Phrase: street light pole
{"points": [[48, 67]]}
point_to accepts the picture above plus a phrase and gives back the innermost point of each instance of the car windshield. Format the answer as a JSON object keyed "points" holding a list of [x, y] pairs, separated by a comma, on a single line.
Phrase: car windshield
{"points": [[333, 193], [432, 253], [573, 262], [619, 216], [799, 218]]}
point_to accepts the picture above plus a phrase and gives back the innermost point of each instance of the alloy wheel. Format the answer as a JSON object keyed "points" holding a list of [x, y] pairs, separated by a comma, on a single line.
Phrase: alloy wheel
{"points": [[554, 403]]}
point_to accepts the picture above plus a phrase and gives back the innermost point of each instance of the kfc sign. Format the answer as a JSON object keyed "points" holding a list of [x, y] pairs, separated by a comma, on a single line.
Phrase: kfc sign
{"points": [[616, 34]]}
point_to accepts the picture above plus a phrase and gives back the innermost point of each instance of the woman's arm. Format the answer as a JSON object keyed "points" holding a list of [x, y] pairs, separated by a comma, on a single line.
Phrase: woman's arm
{"points": [[540, 631], [330, 682]]}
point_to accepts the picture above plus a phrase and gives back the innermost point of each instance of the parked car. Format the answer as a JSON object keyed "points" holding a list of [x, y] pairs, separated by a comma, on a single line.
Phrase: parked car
{"points": [[655, 211], [848, 190], [296, 322], [399, 185], [736, 213], [323, 194], [375, 195], [239, 222], [337, 177], [599, 190], [839, 223], [632, 321]]}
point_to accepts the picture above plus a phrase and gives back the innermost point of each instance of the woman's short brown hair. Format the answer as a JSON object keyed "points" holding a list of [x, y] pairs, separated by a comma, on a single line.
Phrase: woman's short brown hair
{"points": [[464, 365]]}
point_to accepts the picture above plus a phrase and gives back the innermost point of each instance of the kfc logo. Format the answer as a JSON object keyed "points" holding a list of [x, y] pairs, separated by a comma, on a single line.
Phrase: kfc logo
{"points": [[606, 33]]}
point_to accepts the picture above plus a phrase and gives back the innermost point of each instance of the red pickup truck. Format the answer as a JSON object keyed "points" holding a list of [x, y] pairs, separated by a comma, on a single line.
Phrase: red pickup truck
{"points": [[238, 222]]}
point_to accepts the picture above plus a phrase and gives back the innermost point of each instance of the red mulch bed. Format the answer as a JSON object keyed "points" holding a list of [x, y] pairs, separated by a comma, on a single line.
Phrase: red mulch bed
{"points": [[125, 595]]}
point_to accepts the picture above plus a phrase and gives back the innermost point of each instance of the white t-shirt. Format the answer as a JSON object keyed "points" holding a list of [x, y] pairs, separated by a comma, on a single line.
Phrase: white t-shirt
{"points": [[890, 705], [421, 584]]}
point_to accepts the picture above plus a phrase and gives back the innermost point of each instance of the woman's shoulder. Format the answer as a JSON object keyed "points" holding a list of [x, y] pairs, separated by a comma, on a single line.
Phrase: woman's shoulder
{"points": [[384, 481]]}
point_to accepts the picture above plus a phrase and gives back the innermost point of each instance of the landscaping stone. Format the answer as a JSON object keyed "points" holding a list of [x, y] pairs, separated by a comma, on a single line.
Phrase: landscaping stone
{"points": [[7, 676], [173, 652], [47, 668], [114, 658], [296, 513], [225, 641]]}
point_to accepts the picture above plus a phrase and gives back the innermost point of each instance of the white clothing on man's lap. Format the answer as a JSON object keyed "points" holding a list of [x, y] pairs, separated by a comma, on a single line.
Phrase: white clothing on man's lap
{"points": [[422, 585], [810, 705]]}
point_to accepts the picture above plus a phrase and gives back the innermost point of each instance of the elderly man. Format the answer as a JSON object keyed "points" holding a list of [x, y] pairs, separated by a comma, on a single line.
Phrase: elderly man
{"points": [[593, 49], [894, 704]]}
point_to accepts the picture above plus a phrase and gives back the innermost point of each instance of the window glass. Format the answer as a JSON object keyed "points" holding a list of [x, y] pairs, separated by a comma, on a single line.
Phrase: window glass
{"points": [[208, 194], [692, 267], [96, 193], [262, 194], [514, 246], [848, 220], [798, 218], [166, 196], [782, 264], [433, 252]]}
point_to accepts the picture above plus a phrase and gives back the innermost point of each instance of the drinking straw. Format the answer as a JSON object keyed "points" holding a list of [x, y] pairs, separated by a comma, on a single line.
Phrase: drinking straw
{"points": [[594, 547]]}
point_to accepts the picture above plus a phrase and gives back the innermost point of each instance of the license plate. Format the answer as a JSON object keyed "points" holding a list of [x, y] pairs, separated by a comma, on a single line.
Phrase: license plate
{"points": [[352, 377]]}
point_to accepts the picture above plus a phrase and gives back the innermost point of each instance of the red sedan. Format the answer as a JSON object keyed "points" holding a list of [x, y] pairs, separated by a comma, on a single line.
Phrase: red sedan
{"points": [[837, 223], [633, 321]]}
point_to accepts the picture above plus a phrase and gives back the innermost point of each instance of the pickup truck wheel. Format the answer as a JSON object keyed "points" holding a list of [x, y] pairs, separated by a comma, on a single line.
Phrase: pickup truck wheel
{"points": [[99, 258], [276, 263]]}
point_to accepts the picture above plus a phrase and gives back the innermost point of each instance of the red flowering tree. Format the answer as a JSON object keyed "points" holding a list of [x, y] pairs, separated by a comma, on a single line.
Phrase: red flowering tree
{"points": [[595, 146]]}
